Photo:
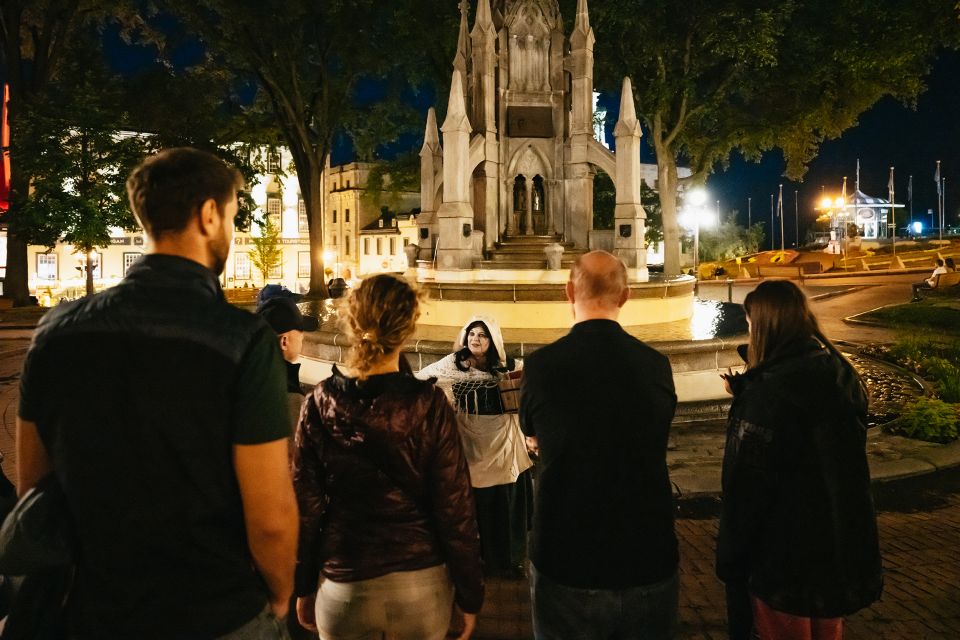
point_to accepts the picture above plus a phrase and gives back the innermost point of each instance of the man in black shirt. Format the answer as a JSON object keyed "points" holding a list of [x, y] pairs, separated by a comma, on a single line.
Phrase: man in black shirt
{"points": [[598, 405], [161, 409]]}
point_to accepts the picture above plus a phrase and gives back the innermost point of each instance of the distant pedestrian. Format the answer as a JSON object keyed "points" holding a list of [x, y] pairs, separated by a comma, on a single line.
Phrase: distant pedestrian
{"points": [[798, 545], [388, 533], [161, 410], [928, 284], [598, 404], [289, 323]]}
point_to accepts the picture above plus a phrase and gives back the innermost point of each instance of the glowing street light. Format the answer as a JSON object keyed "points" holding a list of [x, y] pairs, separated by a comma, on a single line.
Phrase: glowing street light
{"points": [[694, 216]]}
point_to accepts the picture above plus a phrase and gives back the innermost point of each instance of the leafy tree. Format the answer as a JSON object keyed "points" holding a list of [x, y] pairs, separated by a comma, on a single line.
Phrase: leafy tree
{"points": [[267, 250], [308, 58], [36, 39], [753, 75], [79, 164], [729, 241]]}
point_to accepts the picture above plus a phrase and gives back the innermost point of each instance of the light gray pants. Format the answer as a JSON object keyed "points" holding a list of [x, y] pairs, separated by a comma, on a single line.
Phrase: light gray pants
{"points": [[408, 605]]}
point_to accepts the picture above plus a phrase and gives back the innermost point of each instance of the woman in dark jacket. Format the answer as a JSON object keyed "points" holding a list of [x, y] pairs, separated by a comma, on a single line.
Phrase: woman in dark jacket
{"points": [[388, 533], [798, 534]]}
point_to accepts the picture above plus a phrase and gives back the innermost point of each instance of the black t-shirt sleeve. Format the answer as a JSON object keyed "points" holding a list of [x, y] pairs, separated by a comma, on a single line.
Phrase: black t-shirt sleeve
{"points": [[261, 409]]}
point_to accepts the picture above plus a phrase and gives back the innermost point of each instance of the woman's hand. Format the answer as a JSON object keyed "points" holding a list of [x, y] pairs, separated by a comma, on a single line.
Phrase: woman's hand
{"points": [[469, 626], [533, 447], [728, 379], [306, 612]]}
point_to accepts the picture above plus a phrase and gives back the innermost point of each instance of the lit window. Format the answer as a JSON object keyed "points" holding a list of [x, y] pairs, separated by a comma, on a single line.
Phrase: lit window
{"points": [[273, 162], [303, 223], [276, 271], [46, 266], [128, 260], [241, 270], [303, 264], [274, 207]]}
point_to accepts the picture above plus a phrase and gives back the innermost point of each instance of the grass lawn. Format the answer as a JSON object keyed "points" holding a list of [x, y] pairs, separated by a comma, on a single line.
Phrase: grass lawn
{"points": [[935, 313]]}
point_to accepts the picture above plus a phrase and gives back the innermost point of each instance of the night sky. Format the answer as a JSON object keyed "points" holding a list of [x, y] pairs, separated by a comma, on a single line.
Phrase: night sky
{"points": [[888, 135]]}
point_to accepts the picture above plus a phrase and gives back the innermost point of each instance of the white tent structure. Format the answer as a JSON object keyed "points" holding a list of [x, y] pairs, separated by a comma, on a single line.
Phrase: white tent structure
{"points": [[873, 216]]}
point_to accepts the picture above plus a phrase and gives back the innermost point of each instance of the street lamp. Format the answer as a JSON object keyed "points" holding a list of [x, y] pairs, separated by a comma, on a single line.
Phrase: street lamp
{"points": [[693, 216]]}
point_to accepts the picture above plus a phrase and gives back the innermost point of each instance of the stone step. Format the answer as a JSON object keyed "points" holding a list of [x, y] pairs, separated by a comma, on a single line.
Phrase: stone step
{"points": [[522, 239], [520, 252], [520, 263]]}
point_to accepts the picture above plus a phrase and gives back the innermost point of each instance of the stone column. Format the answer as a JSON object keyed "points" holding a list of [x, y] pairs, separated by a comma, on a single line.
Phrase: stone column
{"points": [[455, 215], [548, 205], [510, 200], [529, 216], [629, 225]]}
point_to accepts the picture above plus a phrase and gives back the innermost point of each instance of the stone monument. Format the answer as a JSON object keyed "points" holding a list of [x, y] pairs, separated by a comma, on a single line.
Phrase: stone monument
{"points": [[518, 153]]}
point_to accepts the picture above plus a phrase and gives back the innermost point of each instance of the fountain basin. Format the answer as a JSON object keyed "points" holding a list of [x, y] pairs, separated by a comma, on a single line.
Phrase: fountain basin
{"points": [[543, 305]]}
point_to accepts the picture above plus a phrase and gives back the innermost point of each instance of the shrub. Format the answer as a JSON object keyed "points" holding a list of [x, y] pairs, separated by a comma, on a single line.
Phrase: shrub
{"points": [[927, 419]]}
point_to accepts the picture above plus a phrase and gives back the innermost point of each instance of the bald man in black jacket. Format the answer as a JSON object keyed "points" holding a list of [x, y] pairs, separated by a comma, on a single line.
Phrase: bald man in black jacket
{"points": [[598, 404]]}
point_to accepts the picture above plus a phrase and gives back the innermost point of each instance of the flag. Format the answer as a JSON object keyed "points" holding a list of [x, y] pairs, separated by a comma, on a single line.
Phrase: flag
{"points": [[910, 189], [936, 177], [890, 181], [858, 175]]}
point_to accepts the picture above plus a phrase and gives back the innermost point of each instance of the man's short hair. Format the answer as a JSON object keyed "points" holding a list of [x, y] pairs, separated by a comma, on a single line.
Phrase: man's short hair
{"points": [[168, 188], [604, 286]]}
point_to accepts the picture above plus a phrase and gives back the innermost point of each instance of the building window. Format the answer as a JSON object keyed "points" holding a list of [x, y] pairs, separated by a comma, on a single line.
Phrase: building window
{"points": [[346, 245], [303, 264], [393, 246], [333, 240], [303, 223], [348, 184], [241, 266], [366, 246], [346, 215], [274, 208], [334, 215], [406, 241], [379, 247], [273, 162], [276, 271], [128, 260], [46, 266]]}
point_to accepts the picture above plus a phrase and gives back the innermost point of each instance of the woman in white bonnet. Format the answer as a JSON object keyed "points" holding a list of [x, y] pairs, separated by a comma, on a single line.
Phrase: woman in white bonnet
{"points": [[495, 447]]}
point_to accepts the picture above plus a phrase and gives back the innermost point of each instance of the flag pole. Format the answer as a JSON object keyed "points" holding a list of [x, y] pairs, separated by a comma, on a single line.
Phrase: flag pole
{"points": [[773, 242], [780, 212], [796, 218], [893, 211], [939, 200]]}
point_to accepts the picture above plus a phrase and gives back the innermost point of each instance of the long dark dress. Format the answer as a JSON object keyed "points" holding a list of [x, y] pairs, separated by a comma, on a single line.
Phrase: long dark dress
{"points": [[505, 511]]}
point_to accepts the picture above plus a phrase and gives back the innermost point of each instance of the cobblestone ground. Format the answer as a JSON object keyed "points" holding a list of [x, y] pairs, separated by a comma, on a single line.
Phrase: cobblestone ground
{"points": [[920, 538]]}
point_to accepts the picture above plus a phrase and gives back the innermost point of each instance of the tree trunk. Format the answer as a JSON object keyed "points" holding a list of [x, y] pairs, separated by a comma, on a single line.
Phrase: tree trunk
{"points": [[16, 283], [89, 274], [311, 189], [667, 186]]}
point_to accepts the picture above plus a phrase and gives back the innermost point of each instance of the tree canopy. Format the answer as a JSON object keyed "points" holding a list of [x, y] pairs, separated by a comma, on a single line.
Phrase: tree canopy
{"points": [[760, 74]]}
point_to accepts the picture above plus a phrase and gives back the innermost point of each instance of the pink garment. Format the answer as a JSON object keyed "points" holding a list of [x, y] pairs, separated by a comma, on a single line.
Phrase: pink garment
{"points": [[771, 624]]}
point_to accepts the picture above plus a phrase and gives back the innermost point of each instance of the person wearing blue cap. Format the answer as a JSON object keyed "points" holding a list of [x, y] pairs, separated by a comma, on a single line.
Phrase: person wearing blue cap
{"points": [[284, 317]]}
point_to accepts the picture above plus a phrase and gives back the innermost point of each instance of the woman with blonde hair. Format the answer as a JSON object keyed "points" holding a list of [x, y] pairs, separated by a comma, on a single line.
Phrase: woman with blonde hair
{"points": [[388, 534], [797, 546]]}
